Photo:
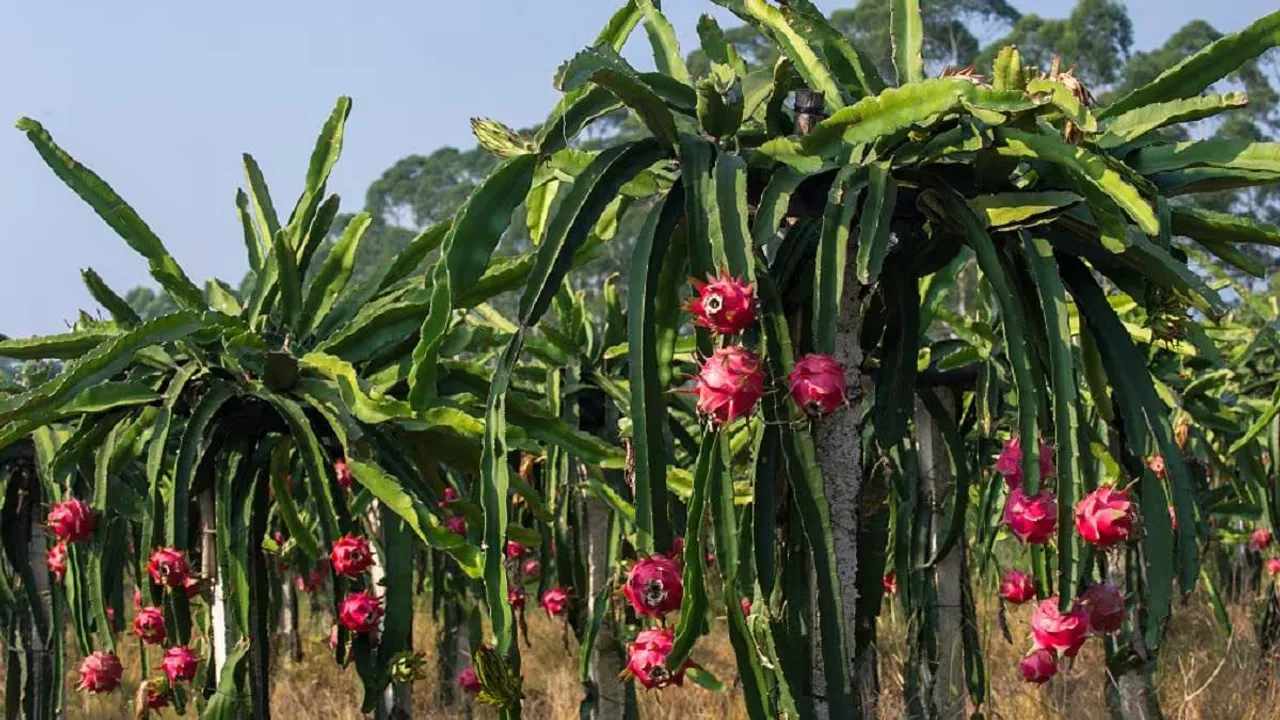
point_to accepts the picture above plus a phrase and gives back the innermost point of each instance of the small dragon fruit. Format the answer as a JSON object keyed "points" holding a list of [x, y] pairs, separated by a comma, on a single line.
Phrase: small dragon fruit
{"points": [[817, 384], [100, 672], [729, 384], [148, 624], [360, 612], [1017, 587], [555, 601], [647, 659], [724, 304], [168, 566], [1105, 605], [654, 586], [179, 664], [1033, 520], [351, 556], [1105, 517], [56, 559], [71, 520]]}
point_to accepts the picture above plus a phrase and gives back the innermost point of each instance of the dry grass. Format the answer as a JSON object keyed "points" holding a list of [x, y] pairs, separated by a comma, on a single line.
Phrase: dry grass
{"points": [[1203, 675]]}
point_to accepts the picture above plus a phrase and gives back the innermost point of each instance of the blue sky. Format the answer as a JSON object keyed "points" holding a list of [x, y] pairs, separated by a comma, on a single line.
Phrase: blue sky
{"points": [[160, 98]]}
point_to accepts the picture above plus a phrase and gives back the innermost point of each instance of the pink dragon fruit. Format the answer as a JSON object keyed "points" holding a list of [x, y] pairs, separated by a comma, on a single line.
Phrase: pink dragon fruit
{"points": [[729, 385], [654, 586], [724, 304], [71, 520], [818, 384]]}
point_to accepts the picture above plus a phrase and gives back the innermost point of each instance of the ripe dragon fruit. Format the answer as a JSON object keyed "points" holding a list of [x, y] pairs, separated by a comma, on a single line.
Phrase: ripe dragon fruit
{"points": [[450, 496], [555, 601], [360, 612], [1105, 517], [1039, 666], [817, 384], [1017, 587], [148, 624], [654, 586], [515, 550], [1105, 606], [168, 567], [1260, 539], [729, 384], [179, 664], [1009, 462], [531, 567], [56, 559], [71, 520], [351, 556], [724, 304], [469, 681], [515, 596], [1063, 633], [647, 659], [456, 525], [1033, 520], [100, 672]]}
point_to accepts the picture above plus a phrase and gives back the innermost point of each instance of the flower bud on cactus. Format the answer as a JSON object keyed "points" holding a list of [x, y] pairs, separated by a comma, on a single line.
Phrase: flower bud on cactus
{"points": [[407, 667], [724, 305], [1105, 605], [817, 384], [360, 612], [168, 567], [654, 586], [1009, 462], [555, 601], [100, 672], [1063, 633], [647, 659], [1017, 587], [498, 139], [71, 520], [179, 664], [729, 385], [56, 559], [351, 556], [1105, 517], [469, 681], [1033, 520], [148, 624], [1039, 666]]}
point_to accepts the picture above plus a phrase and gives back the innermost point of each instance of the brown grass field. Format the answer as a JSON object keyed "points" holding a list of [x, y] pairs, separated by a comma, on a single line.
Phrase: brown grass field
{"points": [[1203, 675]]}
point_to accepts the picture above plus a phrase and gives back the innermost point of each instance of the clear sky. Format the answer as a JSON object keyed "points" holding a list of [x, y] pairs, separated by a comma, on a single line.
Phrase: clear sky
{"points": [[160, 98]]}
